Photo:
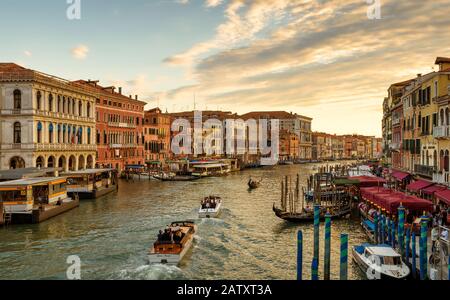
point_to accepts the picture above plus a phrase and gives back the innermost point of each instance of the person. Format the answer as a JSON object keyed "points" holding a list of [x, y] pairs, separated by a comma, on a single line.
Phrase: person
{"points": [[160, 236], [434, 237]]}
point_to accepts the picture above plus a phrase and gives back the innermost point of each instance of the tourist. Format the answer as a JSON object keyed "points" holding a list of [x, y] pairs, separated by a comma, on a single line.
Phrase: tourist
{"points": [[434, 237], [160, 236]]}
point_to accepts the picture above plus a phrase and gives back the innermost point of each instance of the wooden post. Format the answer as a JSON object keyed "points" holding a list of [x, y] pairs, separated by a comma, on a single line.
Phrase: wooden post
{"points": [[299, 255], [414, 253], [423, 248], [344, 257], [315, 269], [327, 257], [316, 231], [282, 196], [401, 229]]}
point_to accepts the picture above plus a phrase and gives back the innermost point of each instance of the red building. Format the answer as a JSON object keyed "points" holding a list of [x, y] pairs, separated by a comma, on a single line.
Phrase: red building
{"points": [[119, 128], [157, 136]]}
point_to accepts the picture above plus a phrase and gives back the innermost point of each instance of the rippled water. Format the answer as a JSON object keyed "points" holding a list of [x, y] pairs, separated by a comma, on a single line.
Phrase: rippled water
{"points": [[112, 234]]}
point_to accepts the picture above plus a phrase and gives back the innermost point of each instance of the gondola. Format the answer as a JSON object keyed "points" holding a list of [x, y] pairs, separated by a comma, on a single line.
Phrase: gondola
{"points": [[308, 217], [254, 185]]}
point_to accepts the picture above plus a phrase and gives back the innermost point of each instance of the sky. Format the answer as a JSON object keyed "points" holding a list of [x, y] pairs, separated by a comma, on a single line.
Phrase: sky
{"points": [[330, 60]]}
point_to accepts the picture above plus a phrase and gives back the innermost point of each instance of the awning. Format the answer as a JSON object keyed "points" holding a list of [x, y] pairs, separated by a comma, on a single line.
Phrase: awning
{"points": [[418, 185], [369, 181], [400, 175], [444, 196], [433, 189]]}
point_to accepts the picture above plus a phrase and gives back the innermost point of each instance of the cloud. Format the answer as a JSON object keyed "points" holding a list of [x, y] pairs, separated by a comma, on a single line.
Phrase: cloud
{"points": [[325, 59], [213, 3], [80, 52], [182, 1], [27, 53]]}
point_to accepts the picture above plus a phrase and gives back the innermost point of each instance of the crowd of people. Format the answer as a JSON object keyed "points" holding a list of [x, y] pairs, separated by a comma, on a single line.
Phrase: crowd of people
{"points": [[170, 235], [210, 202]]}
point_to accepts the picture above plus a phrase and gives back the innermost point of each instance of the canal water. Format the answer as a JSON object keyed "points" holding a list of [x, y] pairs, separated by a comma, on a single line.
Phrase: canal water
{"points": [[111, 235]]}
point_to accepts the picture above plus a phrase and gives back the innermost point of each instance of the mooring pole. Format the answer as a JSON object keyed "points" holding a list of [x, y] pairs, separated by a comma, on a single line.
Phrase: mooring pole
{"points": [[389, 232], [299, 255], [407, 243], [414, 254], [375, 231], [316, 231], [383, 227], [423, 248], [315, 269], [393, 234], [401, 229], [327, 258], [343, 274]]}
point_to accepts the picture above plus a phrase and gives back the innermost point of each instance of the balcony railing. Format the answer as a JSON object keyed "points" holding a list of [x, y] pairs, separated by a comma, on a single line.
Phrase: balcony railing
{"points": [[395, 146], [441, 177], [440, 132], [122, 125], [426, 171]]}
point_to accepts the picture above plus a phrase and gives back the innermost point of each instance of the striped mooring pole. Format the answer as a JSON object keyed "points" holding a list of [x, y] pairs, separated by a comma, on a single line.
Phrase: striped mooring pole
{"points": [[316, 231], [343, 274], [389, 231], [423, 248], [315, 269], [393, 234], [414, 254], [299, 255], [327, 257], [375, 231], [407, 243], [382, 227], [401, 229]]}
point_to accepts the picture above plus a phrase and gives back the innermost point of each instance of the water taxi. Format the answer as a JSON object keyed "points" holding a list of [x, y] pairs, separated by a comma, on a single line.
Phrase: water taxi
{"points": [[91, 184], [211, 170], [34, 200], [380, 262], [211, 207], [173, 244]]}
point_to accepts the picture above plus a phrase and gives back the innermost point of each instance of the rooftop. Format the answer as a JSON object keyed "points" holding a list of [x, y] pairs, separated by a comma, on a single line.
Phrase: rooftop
{"points": [[30, 181]]}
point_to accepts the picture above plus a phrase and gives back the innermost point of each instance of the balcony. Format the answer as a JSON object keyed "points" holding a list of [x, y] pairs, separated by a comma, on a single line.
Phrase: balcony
{"points": [[65, 147], [441, 177], [426, 171], [395, 146], [441, 132], [121, 125]]}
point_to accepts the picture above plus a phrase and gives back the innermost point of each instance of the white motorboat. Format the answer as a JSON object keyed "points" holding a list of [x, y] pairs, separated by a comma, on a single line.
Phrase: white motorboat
{"points": [[172, 246], [211, 207], [380, 262]]}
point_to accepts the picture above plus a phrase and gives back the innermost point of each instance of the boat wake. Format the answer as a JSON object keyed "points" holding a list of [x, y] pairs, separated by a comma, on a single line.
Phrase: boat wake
{"points": [[152, 272]]}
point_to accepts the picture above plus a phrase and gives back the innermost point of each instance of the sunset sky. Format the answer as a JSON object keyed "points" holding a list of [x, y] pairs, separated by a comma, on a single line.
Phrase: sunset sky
{"points": [[323, 59]]}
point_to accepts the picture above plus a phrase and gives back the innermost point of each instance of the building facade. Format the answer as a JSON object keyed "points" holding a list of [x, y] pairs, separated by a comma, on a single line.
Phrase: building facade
{"points": [[45, 121], [119, 127], [157, 126]]}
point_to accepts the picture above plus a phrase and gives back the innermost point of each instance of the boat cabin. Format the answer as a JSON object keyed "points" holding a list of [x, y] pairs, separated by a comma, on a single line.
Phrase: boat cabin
{"points": [[21, 196], [91, 183], [206, 170]]}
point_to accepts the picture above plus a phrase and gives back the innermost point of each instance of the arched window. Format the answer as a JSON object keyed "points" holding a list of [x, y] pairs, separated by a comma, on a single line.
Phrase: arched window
{"points": [[50, 102], [39, 132], [98, 137], [73, 106], [441, 115], [50, 133], [17, 99], [17, 133], [435, 158], [59, 133], [447, 121], [446, 161], [88, 111], [80, 108], [64, 108], [38, 100], [80, 135], [64, 133], [59, 103]]}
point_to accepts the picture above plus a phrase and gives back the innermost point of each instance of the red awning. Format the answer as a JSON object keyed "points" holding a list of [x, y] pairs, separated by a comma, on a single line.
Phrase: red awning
{"points": [[418, 185], [433, 189], [444, 196], [369, 192], [368, 181], [400, 175]]}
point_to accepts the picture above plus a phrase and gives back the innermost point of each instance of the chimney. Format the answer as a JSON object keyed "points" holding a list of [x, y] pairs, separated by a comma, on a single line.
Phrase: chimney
{"points": [[419, 75], [120, 90], [136, 97]]}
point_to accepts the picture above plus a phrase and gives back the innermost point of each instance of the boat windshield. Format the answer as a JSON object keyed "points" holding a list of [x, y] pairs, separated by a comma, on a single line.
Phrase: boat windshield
{"points": [[391, 260]]}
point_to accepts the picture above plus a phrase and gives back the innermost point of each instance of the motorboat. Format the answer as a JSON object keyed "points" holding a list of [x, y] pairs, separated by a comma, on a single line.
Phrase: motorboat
{"points": [[380, 262], [211, 207], [172, 245]]}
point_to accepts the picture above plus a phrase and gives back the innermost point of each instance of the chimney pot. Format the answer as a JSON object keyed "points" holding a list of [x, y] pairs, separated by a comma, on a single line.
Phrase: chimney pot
{"points": [[136, 97], [120, 90]]}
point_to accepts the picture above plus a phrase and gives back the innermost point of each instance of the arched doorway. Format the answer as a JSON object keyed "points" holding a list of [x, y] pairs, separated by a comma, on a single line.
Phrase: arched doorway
{"points": [[40, 162], [17, 163], [90, 162], [51, 162], [81, 163], [72, 162], [62, 162]]}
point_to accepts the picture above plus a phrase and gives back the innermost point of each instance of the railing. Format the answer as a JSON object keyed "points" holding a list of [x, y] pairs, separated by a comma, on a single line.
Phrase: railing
{"points": [[122, 125], [427, 171], [441, 177], [64, 147], [395, 146], [441, 132]]}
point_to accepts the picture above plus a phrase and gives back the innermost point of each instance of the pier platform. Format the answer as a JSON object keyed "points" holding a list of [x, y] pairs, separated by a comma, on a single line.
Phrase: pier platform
{"points": [[39, 215]]}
